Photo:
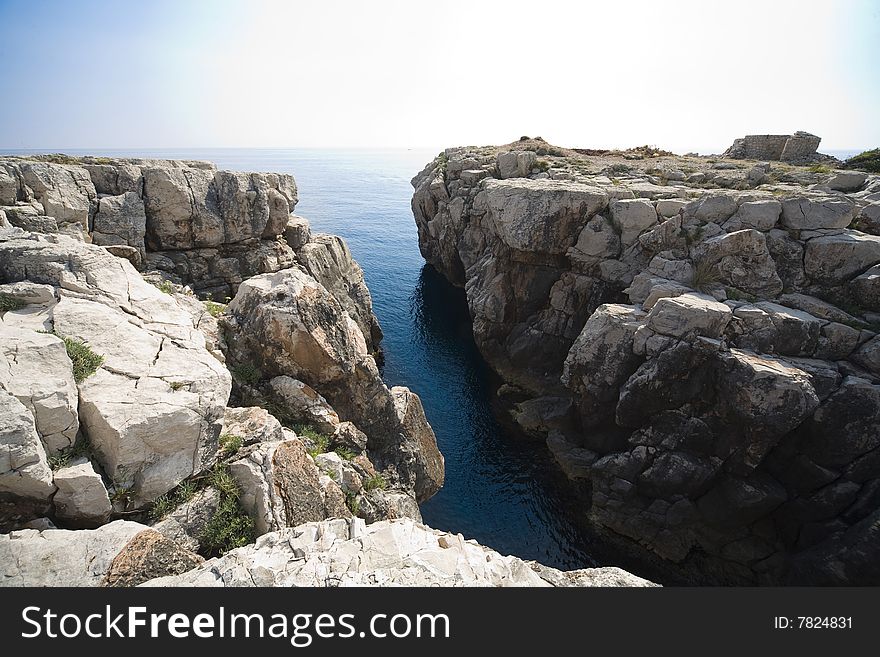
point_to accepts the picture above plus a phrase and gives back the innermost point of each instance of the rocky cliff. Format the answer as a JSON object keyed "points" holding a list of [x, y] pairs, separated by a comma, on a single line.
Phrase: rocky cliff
{"points": [[145, 427], [695, 338]]}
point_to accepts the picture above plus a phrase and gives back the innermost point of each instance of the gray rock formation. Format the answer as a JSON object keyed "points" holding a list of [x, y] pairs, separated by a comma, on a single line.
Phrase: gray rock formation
{"points": [[725, 417]]}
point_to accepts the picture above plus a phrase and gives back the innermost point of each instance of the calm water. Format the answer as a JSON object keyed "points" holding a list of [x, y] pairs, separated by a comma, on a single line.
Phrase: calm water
{"points": [[500, 489]]}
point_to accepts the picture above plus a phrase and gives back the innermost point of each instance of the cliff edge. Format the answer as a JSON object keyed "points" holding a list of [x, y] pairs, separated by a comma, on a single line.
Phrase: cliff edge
{"points": [[695, 338]]}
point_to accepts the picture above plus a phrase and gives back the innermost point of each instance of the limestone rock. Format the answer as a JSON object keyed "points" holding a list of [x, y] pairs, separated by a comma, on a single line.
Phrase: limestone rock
{"points": [[185, 524], [837, 258], [515, 164], [154, 358], [809, 213], [742, 260], [631, 217], [120, 220], [602, 357], [846, 181], [388, 553], [328, 260], [689, 314], [24, 472], [297, 232], [36, 369], [65, 192], [300, 402], [866, 288], [423, 463], [539, 215], [761, 215], [146, 556], [287, 324], [868, 355], [281, 487], [191, 208], [123, 552], [252, 424], [81, 500]]}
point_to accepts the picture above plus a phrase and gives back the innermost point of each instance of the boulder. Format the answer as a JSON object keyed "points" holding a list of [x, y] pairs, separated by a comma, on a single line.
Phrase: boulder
{"points": [[846, 426], [602, 358], [65, 192], [36, 369], [711, 208], [24, 471], [760, 215], [539, 215], [515, 164], [82, 499], [764, 398], [121, 553], [301, 403], [812, 213], [631, 217], [689, 315], [297, 232], [597, 241], [120, 220], [866, 288], [868, 355], [795, 332], [328, 260], [389, 553], [834, 259], [252, 424], [846, 181], [421, 464], [281, 486], [743, 261], [186, 524]]}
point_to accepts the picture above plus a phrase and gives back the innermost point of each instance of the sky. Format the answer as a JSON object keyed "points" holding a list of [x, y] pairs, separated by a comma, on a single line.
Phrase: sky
{"points": [[683, 75]]}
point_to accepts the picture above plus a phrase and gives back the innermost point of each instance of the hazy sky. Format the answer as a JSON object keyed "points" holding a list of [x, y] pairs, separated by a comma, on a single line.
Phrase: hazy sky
{"points": [[201, 73]]}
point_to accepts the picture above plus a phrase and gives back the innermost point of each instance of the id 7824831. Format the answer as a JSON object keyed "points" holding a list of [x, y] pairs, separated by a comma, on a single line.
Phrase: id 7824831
{"points": [[812, 622]]}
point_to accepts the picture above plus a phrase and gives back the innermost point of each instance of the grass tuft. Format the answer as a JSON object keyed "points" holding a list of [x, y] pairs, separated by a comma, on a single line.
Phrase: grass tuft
{"points": [[705, 276], [246, 373], [9, 302], [85, 361], [230, 443], [376, 482], [215, 309]]}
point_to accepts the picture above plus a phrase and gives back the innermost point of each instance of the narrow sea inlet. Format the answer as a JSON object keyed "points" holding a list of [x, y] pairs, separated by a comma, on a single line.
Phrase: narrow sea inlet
{"points": [[500, 488]]}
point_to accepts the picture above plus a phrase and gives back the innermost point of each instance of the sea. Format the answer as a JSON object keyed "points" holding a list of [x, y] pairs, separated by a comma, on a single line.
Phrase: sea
{"points": [[501, 488]]}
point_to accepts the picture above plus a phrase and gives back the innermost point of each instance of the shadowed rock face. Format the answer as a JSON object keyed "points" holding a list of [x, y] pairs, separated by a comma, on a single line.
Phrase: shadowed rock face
{"points": [[718, 344]]}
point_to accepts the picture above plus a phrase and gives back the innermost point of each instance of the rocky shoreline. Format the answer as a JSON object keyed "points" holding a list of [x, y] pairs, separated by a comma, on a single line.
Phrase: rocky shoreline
{"points": [[188, 373], [696, 338]]}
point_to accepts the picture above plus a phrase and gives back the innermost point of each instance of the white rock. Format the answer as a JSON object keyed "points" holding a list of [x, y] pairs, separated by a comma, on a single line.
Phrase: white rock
{"points": [[24, 471], [388, 553], [632, 217], [82, 499], [36, 369], [836, 258]]}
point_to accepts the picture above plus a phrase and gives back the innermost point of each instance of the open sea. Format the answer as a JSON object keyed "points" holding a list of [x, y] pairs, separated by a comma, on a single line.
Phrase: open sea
{"points": [[501, 489]]}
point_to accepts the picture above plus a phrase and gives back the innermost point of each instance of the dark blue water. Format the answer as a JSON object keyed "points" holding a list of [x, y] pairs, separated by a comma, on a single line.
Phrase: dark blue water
{"points": [[500, 489]]}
